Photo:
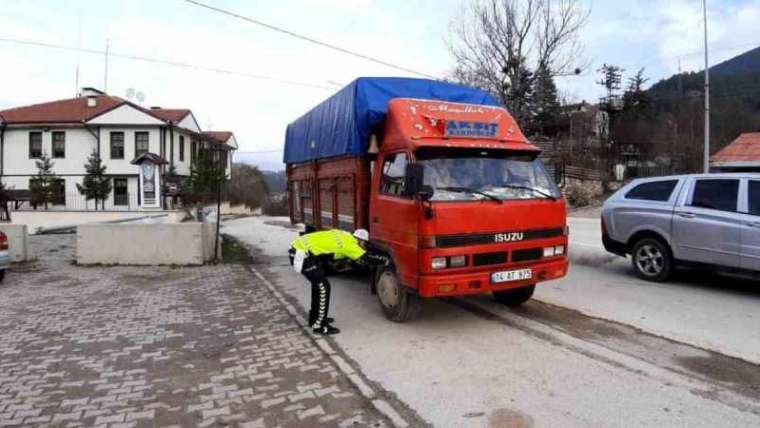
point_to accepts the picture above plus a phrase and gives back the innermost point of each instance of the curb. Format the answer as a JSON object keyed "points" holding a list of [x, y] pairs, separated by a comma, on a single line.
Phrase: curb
{"points": [[382, 406]]}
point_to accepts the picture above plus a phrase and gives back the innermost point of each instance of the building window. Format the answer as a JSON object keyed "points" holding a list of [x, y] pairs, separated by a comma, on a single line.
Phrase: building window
{"points": [[181, 148], [120, 194], [193, 151], [35, 145], [142, 144], [117, 145], [394, 170], [59, 144]]}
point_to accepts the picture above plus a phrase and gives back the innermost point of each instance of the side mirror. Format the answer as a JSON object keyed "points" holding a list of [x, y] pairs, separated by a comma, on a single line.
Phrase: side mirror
{"points": [[425, 193], [414, 178]]}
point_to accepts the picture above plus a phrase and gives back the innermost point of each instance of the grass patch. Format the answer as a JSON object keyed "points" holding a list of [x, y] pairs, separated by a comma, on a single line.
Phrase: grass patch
{"points": [[233, 252]]}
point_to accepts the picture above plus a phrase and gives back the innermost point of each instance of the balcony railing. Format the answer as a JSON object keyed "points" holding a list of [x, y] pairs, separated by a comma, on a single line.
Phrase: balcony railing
{"points": [[77, 202]]}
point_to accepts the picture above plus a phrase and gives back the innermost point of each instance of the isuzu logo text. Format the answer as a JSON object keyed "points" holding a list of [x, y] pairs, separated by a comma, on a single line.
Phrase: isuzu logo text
{"points": [[508, 237]]}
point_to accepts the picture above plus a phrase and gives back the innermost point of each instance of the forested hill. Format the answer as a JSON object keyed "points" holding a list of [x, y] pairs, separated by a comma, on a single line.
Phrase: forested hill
{"points": [[734, 81]]}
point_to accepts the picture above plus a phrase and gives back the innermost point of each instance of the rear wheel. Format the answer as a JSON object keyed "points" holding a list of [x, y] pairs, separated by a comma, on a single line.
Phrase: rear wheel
{"points": [[515, 297], [2, 275], [398, 304], [651, 260]]}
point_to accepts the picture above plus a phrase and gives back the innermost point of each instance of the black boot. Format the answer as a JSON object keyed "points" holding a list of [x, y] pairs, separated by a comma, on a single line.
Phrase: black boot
{"points": [[312, 318], [326, 330]]}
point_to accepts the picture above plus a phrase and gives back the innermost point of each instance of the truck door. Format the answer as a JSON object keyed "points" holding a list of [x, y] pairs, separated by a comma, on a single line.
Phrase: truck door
{"points": [[707, 227], [750, 240], [394, 217]]}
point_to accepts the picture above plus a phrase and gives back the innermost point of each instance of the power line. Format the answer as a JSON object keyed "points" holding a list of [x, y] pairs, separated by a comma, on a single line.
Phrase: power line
{"points": [[256, 152], [308, 39], [164, 62]]}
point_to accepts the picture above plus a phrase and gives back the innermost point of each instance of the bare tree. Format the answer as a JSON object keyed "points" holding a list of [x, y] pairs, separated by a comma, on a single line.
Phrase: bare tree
{"points": [[503, 46]]}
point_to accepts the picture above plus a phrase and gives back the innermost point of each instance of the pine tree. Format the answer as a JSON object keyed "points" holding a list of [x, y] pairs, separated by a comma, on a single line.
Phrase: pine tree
{"points": [[95, 184], [635, 98], [546, 108], [46, 186], [205, 178]]}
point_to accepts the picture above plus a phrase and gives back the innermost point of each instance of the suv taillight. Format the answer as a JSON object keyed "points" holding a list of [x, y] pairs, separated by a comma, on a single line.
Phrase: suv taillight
{"points": [[3, 241]]}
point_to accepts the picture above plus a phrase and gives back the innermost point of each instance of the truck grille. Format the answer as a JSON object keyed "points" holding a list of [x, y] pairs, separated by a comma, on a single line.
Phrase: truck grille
{"points": [[527, 255], [485, 259], [447, 241]]}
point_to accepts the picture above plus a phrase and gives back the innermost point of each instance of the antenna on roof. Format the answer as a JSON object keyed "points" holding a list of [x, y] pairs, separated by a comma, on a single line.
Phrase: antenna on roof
{"points": [[79, 53], [105, 75], [133, 94]]}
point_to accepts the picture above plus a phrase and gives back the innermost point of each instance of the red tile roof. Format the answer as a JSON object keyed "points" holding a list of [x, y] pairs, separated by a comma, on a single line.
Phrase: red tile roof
{"points": [[219, 136], [174, 115], [76, 110], [746, 148], [61, 111]]}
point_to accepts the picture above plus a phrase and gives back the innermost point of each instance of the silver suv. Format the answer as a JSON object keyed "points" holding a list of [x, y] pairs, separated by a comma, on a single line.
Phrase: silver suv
{"points": [[711, 219]]}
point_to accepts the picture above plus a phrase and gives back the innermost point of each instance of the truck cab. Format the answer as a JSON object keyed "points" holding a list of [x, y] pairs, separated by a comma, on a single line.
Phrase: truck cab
{"points": [[444, 179], [462, 204]]}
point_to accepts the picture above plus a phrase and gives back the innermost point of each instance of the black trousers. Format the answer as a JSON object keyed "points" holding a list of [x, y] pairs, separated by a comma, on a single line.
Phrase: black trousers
{"points": [[320, 291]]}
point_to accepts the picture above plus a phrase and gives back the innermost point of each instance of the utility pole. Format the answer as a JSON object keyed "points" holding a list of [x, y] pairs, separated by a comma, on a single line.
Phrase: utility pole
{"points": [[707, 97], [105, 75]]}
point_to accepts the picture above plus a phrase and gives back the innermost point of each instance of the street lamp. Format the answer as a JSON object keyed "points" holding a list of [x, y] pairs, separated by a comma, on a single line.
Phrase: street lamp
{"points": [[707, 97]]}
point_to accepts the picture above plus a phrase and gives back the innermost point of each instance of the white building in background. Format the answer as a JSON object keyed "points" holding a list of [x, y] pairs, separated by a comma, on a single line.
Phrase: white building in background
{"points": [[70, 130]]}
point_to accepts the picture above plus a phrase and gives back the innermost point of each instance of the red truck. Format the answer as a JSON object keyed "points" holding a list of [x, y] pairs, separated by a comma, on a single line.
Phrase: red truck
{"points": [[444, 180]]}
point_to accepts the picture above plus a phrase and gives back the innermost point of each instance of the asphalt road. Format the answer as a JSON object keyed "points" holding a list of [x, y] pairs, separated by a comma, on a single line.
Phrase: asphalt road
{"points": [[471, 362]]}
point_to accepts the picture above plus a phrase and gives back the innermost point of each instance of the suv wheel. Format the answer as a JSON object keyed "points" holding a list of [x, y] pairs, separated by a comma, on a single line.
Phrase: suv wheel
{"points": [[398, 304], [652, 260]]}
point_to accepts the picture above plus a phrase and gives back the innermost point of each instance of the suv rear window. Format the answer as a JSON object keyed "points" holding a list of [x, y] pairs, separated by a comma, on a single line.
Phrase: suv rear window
{"points": [[653, 191], [721, 195], [754, 197]]}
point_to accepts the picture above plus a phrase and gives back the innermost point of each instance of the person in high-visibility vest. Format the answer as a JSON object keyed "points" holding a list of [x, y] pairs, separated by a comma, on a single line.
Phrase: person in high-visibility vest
{"points": [[308, 253]]}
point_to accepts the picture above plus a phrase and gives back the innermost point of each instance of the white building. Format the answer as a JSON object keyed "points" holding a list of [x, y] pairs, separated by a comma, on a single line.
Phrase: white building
{"points": [[70, 130]]}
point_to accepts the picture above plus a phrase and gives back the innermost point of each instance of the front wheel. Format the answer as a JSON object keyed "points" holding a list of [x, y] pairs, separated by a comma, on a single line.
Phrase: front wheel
{"points": [[515, 297], [652, 260], [398, 304]]}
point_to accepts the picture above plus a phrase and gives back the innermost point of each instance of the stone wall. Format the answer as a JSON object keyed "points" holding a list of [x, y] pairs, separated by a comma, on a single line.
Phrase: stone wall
{"points": [[145, 244]]}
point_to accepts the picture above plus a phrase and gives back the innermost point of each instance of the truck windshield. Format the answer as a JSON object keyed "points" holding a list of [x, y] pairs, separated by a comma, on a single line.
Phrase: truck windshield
{"points": [[468, 174]]}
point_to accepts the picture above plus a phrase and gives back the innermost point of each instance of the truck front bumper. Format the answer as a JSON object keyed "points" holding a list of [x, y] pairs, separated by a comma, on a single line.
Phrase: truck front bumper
{"points": [[480, 282]]}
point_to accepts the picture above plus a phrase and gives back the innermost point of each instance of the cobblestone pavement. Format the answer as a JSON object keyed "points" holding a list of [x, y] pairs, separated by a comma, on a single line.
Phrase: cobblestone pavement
{"points": [[159, 346]]}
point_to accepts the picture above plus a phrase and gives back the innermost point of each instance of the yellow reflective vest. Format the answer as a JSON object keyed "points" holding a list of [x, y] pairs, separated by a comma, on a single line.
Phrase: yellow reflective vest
{"points": [[342, 245]]}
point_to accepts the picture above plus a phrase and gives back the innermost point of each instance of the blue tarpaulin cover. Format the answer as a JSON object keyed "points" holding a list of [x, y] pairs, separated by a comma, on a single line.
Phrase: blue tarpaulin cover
{"points": [[342, 124]]}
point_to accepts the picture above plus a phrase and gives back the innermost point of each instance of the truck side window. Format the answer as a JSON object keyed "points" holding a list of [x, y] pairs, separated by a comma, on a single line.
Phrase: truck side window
{"points": [[754, 197], [721, 195], [654, 191], [394, 167]]}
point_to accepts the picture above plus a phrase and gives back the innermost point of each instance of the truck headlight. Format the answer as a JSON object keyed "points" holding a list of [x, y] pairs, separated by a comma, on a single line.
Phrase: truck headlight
{"points": [[554, 251], [439, 262], [457, 261]]}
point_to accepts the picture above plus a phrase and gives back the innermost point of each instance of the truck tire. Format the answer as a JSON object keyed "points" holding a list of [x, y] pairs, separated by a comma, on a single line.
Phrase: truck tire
{"points": [[652, 260], [398, 304], [515, 297]]}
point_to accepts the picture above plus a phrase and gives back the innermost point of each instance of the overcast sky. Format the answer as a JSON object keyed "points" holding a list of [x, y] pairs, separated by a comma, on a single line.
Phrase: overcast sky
{"points": [[411, 33]]}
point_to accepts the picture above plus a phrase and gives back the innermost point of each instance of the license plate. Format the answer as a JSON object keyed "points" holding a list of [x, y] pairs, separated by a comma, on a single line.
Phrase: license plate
{"points": [[512, 275]]}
